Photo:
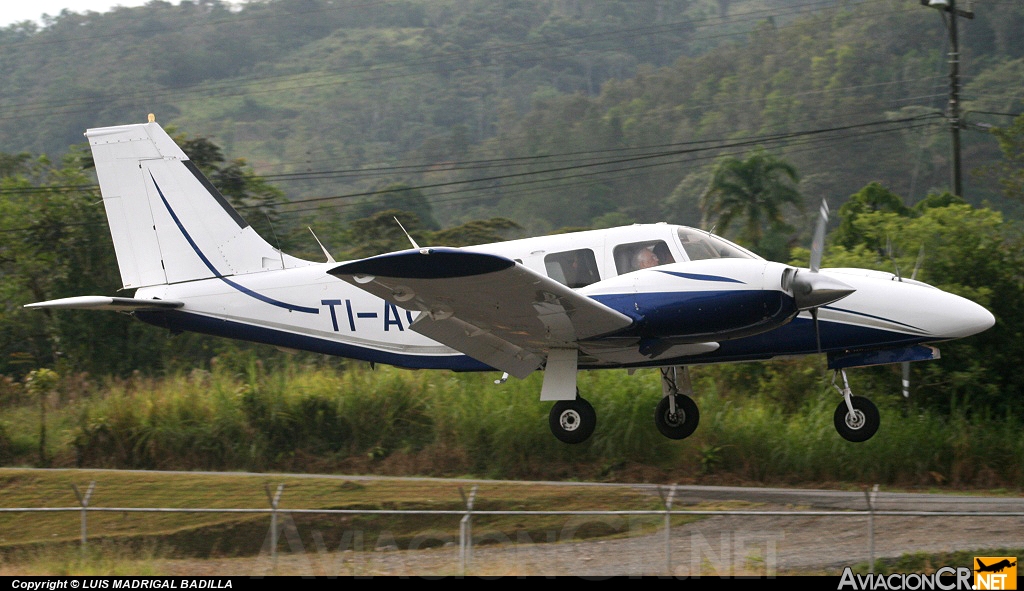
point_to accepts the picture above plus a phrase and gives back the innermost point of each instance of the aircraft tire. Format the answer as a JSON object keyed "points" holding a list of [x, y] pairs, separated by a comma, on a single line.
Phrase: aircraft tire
{"points": [[862, 425], [683, 423], [572, 421]]}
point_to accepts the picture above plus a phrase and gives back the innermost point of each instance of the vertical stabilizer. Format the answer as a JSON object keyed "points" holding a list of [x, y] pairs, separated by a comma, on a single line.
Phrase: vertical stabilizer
{"points": [[169, 224]]}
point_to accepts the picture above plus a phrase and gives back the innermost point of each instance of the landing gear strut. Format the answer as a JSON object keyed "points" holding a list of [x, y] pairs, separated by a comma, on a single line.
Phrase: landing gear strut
{"points": [[677, 415], [856, 418]]}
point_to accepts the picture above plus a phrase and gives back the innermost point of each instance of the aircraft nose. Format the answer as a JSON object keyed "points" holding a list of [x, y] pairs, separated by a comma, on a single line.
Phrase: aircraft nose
{"points": [[965, 318]]}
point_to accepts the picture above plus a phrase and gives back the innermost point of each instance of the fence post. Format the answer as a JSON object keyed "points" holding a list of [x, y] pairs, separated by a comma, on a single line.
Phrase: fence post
{"points": [[466, 531], [870, 497], [84, 502], [667, 500], [274, 500]]}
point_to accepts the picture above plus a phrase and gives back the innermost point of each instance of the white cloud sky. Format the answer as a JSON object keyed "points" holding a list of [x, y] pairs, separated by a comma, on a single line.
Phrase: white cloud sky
{"points": [[14, 11]]}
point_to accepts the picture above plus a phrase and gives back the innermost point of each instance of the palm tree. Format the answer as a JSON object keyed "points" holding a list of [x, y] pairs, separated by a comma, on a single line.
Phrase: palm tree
{"points": [[756, 189]]}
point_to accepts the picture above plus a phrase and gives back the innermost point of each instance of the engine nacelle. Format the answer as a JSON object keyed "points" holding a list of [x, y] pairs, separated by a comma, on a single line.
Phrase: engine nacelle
{"points": [[697, 301]]}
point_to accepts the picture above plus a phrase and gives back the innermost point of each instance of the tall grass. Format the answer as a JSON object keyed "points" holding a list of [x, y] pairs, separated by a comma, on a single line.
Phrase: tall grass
{"points": [[760, 442], [102, 559], [244, 416]]}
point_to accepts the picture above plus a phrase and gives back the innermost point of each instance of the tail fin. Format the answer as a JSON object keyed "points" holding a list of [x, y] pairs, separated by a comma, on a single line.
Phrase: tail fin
{"points": [[169, 224]]}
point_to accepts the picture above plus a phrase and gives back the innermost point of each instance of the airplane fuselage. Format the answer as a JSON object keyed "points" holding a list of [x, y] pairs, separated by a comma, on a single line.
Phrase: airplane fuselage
{"points": [[731, 308]]}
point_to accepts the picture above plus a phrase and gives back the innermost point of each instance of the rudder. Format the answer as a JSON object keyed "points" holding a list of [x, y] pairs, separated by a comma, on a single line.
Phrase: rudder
{"points": [[168, 223]]}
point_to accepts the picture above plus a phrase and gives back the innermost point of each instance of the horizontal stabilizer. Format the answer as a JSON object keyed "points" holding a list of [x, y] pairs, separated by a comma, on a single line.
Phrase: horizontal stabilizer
{"points": [[107, 303]]}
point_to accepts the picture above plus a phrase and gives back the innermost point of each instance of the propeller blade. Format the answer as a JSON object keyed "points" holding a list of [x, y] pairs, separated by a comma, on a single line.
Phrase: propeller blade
{"points": [[812, 290], [906, 378], [817, 328], [917, 265], [818, 242]]}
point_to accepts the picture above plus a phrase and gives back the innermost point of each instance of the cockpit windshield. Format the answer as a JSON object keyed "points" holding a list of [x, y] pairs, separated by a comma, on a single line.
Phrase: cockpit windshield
{"points": [[699, 246]]}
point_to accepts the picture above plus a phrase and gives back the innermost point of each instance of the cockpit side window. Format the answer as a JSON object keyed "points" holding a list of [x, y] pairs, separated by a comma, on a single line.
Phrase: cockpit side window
{"points": [[641, 255], [699, 246], [573, 268]]}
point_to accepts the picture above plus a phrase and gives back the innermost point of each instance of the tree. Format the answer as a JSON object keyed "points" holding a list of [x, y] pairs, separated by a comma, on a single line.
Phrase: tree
{"points": [[475, 232], [1011, 170], [54, 243], [379, 233], [757, 190], [40, 383], [401, 197], [247, 192], [873, 197]]}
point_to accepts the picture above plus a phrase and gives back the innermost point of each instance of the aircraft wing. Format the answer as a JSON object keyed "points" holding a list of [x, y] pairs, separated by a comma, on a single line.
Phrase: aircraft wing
{"points": [[107, 303], [486, 306]]}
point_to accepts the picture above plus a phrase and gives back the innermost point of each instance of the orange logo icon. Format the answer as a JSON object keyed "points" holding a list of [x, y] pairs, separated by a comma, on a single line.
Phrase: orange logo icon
{"points": [[995, 572]]}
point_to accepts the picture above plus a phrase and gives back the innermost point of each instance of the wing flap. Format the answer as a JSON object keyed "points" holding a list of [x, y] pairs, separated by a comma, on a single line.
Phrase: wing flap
{"points": [[486, 306], [106, 303], [479, 345]]}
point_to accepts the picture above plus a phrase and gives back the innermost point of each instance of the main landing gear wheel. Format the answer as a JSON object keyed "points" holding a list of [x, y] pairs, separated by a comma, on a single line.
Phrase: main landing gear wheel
{"points": [[572, 421], [861, 424], [681, 423]]}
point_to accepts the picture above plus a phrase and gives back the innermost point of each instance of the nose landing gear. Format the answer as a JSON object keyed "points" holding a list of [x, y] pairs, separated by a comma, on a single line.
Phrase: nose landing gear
{"points": [[856, 418], [677, 415]]}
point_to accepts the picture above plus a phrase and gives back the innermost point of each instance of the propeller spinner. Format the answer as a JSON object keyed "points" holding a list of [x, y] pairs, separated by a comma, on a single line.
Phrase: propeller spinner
{"points": [[811, 290]]}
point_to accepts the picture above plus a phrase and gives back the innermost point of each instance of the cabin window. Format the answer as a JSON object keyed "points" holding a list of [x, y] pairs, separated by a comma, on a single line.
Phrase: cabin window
{"points": [[641, 255], [699, 246], [574, 268]]}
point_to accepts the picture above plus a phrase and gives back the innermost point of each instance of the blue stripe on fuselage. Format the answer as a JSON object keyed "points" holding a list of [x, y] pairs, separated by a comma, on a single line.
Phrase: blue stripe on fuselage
{"points": [[882, 318], [699, 277], [177, 320]]}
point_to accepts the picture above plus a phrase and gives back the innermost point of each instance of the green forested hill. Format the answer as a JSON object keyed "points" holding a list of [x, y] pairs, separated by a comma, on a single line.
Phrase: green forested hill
{"points": [[348, 97], [551, 113]]}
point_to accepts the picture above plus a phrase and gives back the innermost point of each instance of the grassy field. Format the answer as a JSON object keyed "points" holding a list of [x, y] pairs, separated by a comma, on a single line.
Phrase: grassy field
{"points": [[242, 534]]}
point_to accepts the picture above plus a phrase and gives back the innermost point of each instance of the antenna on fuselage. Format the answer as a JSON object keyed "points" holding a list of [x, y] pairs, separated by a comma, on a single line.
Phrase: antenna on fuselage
{"points": [[892, 258], [414, 245], [330, 259], [276, 239]]}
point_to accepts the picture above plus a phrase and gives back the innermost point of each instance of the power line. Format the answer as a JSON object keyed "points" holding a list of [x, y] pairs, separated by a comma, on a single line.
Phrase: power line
{"points": [[632, 159], [633, 162], [589, 177]]}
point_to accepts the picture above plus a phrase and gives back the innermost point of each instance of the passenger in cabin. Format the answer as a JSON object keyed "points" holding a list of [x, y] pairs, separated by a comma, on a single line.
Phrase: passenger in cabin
{"points": [[645, 259]]}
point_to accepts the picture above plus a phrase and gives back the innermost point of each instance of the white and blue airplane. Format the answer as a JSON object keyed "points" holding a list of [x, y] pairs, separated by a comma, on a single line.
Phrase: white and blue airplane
{"points": [[640, 296]]}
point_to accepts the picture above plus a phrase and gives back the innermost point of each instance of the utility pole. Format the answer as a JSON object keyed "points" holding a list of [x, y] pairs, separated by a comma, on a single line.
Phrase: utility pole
{"points": [[953, 115]]}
